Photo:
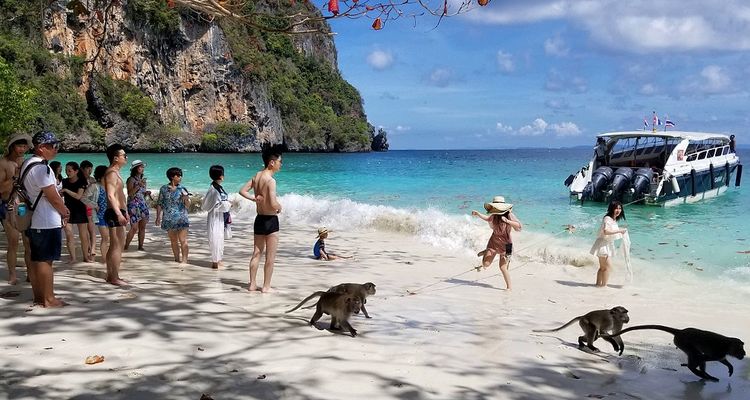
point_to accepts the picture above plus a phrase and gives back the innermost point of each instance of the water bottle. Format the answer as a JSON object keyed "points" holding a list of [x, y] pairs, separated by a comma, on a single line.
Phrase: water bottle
{"points": [[21, 209]]}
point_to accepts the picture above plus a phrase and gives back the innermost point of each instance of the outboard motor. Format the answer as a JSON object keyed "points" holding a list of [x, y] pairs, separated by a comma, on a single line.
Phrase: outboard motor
{"points": [[621, 181], [600, 179], [642, 182]]}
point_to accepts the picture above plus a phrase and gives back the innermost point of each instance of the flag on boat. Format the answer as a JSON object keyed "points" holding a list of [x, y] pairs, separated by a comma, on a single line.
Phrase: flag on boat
{"points": [[668, 123], [656, 122], [645, 123]]}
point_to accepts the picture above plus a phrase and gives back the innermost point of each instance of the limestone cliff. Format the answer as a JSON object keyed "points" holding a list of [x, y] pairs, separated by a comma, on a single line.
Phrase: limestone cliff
{"points": [[189, 72]]}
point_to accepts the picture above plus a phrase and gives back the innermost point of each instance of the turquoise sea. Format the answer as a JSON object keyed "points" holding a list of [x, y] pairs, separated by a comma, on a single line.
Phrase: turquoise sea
{"points": [[430, 194]]}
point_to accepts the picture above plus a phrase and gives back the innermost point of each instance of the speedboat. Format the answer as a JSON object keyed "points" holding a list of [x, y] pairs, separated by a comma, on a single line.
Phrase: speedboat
{"points": [[659, 168]]}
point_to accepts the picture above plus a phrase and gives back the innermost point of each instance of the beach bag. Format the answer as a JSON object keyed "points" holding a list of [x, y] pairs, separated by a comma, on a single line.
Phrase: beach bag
{"points": [[20, 206]]}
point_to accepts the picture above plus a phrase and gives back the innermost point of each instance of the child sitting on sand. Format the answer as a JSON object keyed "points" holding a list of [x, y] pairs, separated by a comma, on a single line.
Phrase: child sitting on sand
{"points": [[319, 250]]}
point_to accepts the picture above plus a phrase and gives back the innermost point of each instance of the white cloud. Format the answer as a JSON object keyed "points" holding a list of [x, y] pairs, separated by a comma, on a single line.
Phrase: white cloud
{"points": [[536, 128], [441, 77], [712, 80], [505, 62], [503, 128], [647, 89], [401, 128], [555, 46], [565, 129], [558, 82], [380, 59], [637, 26]]}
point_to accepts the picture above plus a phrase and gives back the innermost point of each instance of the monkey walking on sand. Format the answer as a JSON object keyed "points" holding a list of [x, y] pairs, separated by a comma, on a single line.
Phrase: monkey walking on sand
{"points": [[361, 290], [596, 323], [700, 346]]}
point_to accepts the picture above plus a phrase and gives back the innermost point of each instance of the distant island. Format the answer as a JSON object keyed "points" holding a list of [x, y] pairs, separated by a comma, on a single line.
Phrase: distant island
{"points": [[162, 79]]}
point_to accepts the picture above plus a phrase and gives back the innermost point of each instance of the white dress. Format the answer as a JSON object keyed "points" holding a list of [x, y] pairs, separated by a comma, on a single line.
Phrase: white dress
{"points": [[215, 204], [604, 246]]}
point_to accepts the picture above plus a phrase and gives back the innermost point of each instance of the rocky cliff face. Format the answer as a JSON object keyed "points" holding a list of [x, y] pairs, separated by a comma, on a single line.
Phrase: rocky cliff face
{"points": [[190, 75]]}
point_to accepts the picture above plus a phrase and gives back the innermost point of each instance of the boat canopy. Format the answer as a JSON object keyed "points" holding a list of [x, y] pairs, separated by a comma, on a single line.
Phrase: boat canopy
{"points": [[693, 136]]}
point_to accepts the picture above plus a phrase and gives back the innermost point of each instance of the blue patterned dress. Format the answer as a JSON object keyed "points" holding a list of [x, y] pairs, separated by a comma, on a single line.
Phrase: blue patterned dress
{"points": [[174, 212], [137, 207]]}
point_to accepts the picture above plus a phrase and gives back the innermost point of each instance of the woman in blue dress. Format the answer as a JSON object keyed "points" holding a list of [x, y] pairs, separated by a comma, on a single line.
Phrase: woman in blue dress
{"points": [[172, 213], [137, 207]]}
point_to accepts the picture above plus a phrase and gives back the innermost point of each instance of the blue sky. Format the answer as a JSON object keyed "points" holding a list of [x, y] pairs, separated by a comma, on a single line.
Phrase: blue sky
{"points": [[546, 73]]}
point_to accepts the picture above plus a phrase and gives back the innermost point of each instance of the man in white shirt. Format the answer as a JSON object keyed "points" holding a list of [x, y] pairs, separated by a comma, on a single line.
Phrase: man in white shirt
{"points": [[45, 232]]}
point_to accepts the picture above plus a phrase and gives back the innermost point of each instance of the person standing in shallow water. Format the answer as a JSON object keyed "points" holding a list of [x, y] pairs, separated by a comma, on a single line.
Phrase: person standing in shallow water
{"points": [[604, 246], [266, 226], [502, 221]]}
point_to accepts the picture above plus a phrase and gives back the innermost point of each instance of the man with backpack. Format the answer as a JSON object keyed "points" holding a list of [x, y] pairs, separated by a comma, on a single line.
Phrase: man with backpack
{"points": [[18, 145], [45, 232]]}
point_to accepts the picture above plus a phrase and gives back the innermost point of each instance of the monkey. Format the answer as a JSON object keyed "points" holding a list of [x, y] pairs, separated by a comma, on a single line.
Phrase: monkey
{"points": [[360, 290], [597, 322], [340, 306], [700, 346]]}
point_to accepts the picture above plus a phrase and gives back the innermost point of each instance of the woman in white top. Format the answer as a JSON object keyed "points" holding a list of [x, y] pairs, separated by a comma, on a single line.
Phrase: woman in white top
{"points": [[604, 246], [216, 203]]}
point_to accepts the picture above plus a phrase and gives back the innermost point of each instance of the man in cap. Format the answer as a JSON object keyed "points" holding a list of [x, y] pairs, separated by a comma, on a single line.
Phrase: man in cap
{"points": [[45, 233], [18, 145]]}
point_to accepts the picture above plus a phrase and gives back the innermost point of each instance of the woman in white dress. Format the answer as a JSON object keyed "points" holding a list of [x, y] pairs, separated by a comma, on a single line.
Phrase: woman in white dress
{"points": [[604, 246], [216, 204]]}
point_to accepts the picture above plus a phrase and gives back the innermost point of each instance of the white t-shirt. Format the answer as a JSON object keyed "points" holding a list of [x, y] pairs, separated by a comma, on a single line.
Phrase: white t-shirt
{"points": [[40, 176]]}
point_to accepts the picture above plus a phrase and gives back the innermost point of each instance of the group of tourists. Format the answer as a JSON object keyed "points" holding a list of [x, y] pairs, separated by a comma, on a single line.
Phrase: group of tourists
{"points": [[100, 200]]}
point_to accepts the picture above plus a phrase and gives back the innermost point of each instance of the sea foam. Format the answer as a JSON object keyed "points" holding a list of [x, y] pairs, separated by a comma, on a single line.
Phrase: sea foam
{"points": [[462, 234]]}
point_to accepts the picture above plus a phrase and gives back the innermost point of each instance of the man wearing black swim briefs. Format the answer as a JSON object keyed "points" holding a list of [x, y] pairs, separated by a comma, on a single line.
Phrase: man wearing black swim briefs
{"points": [[110, 217], [266, 226], [116, 215]]}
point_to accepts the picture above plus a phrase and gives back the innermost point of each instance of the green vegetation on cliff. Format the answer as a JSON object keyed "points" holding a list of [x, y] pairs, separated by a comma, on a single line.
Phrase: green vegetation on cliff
{"points": [[318, 107]]}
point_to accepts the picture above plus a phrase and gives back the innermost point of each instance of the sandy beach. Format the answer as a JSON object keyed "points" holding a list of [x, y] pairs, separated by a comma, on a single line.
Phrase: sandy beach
{"points": [[439, 331]]}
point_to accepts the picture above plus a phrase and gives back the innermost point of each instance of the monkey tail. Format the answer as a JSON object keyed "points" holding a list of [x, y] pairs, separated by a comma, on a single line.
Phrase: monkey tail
{"points": [[572, 321], [639, 327], [305, 301]]}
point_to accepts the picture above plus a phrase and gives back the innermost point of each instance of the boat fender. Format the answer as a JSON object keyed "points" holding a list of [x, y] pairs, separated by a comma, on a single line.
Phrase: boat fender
{"points": [[569, 180], [739, 175], [727, 172], [675, 185], [711, 170], [692, 182]]}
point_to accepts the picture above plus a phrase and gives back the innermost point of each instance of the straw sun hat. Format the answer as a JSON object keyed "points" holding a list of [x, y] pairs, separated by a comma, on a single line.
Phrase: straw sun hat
{"points": [[497, 206], [322, 231], [17, 138]]}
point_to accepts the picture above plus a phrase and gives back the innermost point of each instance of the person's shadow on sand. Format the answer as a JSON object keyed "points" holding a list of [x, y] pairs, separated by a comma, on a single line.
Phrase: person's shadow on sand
{"points": [[580, 284]]}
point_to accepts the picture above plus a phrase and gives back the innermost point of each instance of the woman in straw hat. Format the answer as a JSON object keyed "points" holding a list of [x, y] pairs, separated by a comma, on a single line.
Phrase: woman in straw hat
{"points": [[501, 220]]}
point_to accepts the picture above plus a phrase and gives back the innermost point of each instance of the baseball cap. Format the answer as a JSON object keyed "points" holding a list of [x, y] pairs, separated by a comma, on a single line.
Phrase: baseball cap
{"points": [[44, 137]]}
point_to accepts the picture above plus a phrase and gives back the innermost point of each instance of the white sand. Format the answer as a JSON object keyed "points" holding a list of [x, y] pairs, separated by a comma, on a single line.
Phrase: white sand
{"points": [[180, 331]]}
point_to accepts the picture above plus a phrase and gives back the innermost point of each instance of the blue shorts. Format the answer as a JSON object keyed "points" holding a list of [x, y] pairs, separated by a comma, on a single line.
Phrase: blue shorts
{"points": [[46, 244]]}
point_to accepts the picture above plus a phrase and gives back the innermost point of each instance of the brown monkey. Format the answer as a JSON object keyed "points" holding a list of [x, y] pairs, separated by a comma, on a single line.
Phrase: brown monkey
{"points": [[597, 322], [360, 290], [700, 346], [340, 306]]}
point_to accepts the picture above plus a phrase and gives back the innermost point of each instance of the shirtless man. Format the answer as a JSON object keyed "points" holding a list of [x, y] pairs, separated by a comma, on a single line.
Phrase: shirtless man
{"points": [[116, 215], [10, 164], [266, 226]]}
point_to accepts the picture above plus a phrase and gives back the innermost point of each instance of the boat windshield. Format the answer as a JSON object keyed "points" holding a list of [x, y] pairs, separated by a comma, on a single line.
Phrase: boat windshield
{"points": [[640, 151]]}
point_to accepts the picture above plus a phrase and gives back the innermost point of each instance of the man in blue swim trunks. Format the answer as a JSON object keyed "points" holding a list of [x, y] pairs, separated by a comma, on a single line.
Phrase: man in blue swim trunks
{"points": [[266, 226]]}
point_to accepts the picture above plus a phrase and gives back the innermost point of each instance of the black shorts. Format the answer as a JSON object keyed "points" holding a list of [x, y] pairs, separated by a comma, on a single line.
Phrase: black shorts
{"points": [[110, 217], [45, 244], [266, 224]]}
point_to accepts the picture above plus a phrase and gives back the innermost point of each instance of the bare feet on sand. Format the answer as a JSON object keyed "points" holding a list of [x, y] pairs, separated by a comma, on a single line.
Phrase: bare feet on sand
{"points": [[12, 279], [117, 282], [252, 288], [54, 303], [267, 290]]}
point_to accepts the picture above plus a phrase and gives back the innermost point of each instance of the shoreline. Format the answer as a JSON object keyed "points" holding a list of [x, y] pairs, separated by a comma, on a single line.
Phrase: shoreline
{"points": [[180, 331]]}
